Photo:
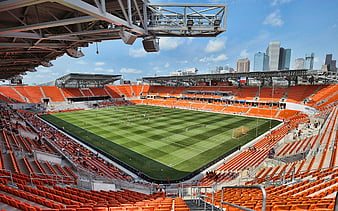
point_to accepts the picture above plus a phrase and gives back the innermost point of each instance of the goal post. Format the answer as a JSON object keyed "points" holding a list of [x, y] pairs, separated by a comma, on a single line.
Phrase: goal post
{"points": [[239, 132]]}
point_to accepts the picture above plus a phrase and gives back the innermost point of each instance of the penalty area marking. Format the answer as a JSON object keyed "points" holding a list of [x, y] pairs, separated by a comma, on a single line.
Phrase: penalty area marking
{"points": [[193, 127]]}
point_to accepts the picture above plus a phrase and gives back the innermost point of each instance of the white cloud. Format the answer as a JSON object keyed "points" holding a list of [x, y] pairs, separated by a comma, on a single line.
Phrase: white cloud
{"points": [[274, 19], [81, 62], [170, 43], [98, 69], [167, 65], [183, 62], [244, 53], [137, 53], [45, 70], [99, 63], [157, 70], [216, 45], [110, 70], [219, 58], [130, 70], [275, 2]]}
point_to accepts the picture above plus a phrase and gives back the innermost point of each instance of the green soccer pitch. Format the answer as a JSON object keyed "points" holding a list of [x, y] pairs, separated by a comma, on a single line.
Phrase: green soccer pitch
{"points": [[158, 141]]}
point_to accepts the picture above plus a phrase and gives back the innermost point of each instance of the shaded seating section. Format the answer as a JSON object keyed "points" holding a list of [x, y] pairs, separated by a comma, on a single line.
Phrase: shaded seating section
{"points": [[72, 92], [160, 90], [87, 92], [98, 91], [113, 91], [246, 93], [272, 93], [297, 94], [218, 177], [177, 91]]}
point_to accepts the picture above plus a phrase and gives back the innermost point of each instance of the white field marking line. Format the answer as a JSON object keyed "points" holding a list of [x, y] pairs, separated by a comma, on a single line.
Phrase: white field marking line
{"points": [[175, 164], [205, 149], [133, 150], [194, 127], [173, 142]]}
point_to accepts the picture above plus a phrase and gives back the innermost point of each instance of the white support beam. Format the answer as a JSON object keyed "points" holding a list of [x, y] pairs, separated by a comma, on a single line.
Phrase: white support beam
{"points": [[86, 8], [48, 24], [184, 5]]}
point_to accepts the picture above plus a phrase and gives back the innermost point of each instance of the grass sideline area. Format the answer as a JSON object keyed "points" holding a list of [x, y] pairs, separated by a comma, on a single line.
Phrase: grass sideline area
{"points": [[161, 142]]}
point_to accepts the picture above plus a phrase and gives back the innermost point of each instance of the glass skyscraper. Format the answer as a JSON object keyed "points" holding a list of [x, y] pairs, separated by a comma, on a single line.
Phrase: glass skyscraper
{"points": [[261, 62], [273, 52], [287, 59], [284, 59]]}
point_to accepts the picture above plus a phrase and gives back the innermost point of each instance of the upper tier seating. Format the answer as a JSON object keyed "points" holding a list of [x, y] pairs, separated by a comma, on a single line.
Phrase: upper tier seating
{"points": [[72, 92], [297, 94], [53, 93], [271, 93], [11, 93], [32, 93]]}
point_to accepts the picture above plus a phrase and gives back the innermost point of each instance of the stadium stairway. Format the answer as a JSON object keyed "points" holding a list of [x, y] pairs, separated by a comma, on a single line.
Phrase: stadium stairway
{"points": [[193, 206]]}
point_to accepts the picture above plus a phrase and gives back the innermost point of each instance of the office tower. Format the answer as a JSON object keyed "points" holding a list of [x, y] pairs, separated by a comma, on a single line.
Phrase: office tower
{"points": [[261, 62], [284, 59], [287, 59], [299, 64], [273, 51], [331, 64], [328, 59], [309, 58], [243, 65]]}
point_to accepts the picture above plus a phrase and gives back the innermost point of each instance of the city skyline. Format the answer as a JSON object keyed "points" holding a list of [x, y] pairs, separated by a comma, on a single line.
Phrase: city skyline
{"points": [[264, 21], [261, 62]]}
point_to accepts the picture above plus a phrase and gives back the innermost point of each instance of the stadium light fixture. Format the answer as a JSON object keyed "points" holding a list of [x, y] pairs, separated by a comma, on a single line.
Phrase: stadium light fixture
{"points": [[190, 22], [151, 44], [127, 37], [217, 22], [32, 69], [46, 64], [74, 52]]}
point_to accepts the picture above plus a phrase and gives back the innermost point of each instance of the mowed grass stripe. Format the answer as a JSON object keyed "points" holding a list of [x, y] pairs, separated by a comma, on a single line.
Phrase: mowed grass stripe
{"points": [[182, 139]]}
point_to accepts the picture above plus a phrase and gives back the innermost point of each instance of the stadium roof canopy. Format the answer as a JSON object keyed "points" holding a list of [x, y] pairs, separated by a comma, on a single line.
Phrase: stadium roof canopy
{"points": [[77, 80], [265, 77], [34, 32]]}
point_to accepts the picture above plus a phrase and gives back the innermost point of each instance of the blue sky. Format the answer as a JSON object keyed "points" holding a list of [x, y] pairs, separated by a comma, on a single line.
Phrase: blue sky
{"points": [[305, 26]]}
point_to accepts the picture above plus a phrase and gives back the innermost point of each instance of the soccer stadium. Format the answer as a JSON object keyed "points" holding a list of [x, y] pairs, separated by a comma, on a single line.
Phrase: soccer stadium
{"points": [[172, 143]]}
